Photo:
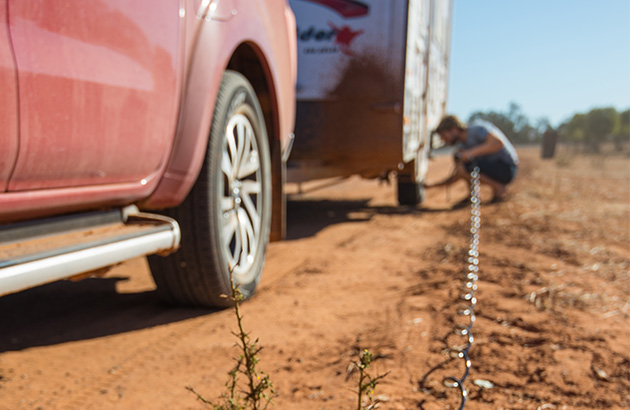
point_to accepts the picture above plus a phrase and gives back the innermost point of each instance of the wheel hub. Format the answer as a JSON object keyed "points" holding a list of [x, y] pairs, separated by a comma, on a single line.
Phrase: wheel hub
{"points": [[236, 193]]}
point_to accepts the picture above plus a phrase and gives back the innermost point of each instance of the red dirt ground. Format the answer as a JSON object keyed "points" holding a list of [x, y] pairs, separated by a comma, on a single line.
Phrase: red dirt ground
{"points": [[357, 271]]}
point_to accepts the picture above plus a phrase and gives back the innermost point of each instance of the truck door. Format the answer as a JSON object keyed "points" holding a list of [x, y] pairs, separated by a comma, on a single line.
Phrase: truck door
{"points": [[98, 90], [8, 102]]}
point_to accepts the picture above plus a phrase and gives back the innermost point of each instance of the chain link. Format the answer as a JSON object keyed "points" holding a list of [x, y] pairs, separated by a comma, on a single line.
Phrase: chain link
{"points": [[468, 300]]}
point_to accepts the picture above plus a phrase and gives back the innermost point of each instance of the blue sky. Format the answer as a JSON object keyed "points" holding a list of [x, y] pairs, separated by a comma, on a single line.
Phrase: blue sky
{"points": [[552, 57]]}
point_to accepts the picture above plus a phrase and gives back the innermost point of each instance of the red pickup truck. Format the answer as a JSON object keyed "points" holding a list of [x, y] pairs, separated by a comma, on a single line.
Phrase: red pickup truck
{"points": [[111, 109]]}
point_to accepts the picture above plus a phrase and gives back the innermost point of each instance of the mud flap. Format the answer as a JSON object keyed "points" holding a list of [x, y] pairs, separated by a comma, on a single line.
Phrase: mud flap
{"points": [[278, 201]]}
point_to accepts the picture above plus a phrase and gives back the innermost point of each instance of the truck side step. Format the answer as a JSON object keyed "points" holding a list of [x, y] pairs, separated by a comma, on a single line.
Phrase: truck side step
{"points": [[40, 252]]}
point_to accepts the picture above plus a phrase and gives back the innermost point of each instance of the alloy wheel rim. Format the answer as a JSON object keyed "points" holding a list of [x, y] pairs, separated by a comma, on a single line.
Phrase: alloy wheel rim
{"points": [[241, 201]]}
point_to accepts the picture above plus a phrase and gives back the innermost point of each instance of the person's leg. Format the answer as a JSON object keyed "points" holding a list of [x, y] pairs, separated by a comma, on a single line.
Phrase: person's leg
{"points": [[462, 172], [495, 174], [498, 189]]}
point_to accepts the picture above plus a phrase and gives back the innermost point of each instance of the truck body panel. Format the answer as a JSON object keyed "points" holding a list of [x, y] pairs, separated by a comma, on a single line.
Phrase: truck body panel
{"points": [[93, 135], [8, 101], [97, 91]]}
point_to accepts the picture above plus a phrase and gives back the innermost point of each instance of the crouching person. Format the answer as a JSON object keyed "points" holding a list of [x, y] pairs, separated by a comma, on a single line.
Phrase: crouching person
{"points": [[483, 145]]}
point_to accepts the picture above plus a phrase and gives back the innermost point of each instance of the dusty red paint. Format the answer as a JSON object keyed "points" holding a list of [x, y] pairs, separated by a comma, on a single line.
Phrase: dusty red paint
{"points": [[112, 109]]}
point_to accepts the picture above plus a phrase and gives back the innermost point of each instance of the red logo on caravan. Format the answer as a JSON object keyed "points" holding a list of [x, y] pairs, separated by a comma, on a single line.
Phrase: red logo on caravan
{"points": [[345, 36], [346, 8]]}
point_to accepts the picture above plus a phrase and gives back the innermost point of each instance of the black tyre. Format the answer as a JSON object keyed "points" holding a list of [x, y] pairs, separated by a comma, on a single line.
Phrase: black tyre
{"points": [[411, 181], [225, 220], [409, 192]]}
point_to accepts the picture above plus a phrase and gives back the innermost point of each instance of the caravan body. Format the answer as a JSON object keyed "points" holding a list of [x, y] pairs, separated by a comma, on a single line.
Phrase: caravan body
{"points": [[372, 84]]}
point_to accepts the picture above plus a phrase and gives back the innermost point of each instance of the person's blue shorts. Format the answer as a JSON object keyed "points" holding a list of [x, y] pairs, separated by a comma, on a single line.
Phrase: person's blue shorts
{"points": [[498, 170]]}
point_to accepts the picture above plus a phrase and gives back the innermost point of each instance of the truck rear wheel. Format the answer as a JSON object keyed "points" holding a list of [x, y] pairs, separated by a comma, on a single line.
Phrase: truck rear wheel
{"points": [[411, 179], [409, 192], [225, 220]]}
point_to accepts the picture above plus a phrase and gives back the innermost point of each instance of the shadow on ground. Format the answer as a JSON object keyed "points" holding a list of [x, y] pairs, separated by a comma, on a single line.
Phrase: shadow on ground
{"points": [[67, 311], [306, 217]]}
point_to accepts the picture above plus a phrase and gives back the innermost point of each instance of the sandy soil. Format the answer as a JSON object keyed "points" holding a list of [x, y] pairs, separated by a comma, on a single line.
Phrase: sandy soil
{"points": [[357, 271]]}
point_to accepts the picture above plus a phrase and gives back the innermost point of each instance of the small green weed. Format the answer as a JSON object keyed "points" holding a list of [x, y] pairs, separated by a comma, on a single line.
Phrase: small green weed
{"points": [[367, 383], [258, 391]]}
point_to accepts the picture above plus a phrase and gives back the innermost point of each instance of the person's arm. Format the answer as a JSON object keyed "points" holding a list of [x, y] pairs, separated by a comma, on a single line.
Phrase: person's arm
{"points": [[448, 181], [491, 145]]}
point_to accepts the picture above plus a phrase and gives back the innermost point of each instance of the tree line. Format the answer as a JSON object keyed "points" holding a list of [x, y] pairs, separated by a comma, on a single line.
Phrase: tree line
{"points": [[590, 129]]}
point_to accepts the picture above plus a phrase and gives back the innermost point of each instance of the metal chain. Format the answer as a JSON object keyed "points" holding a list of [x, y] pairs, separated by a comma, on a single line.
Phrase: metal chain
{"points": [[468, 299]]}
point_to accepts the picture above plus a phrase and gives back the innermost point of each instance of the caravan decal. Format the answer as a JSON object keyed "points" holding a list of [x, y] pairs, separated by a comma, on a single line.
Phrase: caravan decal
{"points": [[345, 37], [328, 40], [346, 8]]}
